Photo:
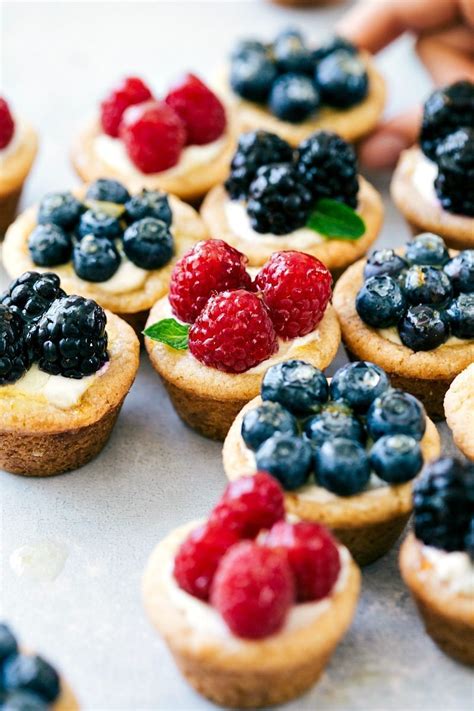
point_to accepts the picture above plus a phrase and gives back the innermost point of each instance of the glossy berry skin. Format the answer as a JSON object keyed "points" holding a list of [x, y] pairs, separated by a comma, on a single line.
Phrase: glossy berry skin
{"points": [[293, 97], [8, 643], [7, 125], [49, 245], [445, 110], [460, 270], [342, 466], [460, 313], [427, 249], [333, 423], [24, 701], [286, 457], [423, 328], [252, 75], [61, 209], [148, 243], [298, 386], [211, 266], [266, 420], [291, 53], [95, 259], [296, 288], [99, 223], [31, 673], [359, 384], [331, 45], [129, 91], [246, 46], [396, 458], [426, 285], [149, 203], [32, 294], [253, 590], [107, 190], [14, 357], [380, 302], [341, 79], [384, 261], [312, 554], [454, 183], [201, 112], [469, 540], [396, 412], [233, 332]]}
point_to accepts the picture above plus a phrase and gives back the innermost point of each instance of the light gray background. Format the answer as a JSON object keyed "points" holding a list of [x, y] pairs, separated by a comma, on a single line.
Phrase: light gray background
{"points": [[57, 60]]}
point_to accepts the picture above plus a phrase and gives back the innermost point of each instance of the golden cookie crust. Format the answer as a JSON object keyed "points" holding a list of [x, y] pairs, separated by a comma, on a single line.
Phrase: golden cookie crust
{"points": [[17, 165], [459, 409], [66, 701]]}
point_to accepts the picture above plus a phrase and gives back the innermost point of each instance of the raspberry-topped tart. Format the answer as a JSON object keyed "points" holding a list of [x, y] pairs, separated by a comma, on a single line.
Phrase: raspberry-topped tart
{"points": [[181, 143], [292, 90], [66, 366], [345, 450], [106, 244], [437, 560], [250, 605], [412, 313], [212, 339], [433, 184], [310, 198]]}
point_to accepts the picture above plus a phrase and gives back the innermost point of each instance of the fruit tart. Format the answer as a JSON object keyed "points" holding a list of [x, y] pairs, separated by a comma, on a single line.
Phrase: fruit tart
{"points": [[106, 244], [433, 184], [292, 90], [412, 313], [181, 144], [216, 333], [310, 198], [437, 560], [345, 451], [459, 410], [66, 366], [18, 147], [250, 605]]}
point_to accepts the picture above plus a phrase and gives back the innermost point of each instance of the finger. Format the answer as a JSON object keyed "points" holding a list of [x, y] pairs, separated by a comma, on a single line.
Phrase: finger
{"points": [[459, 38], [383, 147], [444, 63], [467, 9]]}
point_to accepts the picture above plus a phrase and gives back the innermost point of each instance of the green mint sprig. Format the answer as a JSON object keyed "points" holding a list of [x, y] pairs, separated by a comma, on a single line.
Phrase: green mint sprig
{"points": [[335, 220], [170, 332]]}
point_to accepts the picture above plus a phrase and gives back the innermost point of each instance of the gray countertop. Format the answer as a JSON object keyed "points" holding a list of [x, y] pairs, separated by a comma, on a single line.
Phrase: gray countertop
{"points": [[100, 523]]}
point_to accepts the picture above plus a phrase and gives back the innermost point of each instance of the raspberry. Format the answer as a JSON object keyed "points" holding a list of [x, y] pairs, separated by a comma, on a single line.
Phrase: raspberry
{"points": [[198, 557], [253, 590], [129, 91], [296, 288], [312, 555], [233, 332], [209, 267], [250, 504], [199, 109], [7, 125], [153, 135]]}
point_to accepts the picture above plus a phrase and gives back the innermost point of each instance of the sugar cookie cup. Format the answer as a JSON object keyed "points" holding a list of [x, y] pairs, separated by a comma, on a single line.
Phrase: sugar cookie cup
{"points": [[459, 410]]}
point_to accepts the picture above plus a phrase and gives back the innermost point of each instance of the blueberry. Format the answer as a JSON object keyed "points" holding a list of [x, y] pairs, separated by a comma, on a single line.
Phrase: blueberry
{"points": [[287, 458], [264, 421], [423, 328], [291, 54], [460, 313], [298, 386], [49, 245], [252, 76], [245, 47], [342, 79], [460, 269], [342, 466], [100, 224], [148, 243], [31, 673], [106, 190], [24, 701], [359, 384], [469, 540], [380, 302], [396, 458], [293, 97], [428, 249], [8, 644], [396, 412], [149, 203], [95, 259], [331, 45], [331, 423], [384, 261], [60, 209], [426, 285]]}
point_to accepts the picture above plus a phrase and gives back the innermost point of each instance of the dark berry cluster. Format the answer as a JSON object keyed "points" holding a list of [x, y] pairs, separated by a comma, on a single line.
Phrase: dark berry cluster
{"points": [[295, 81], [338, 433], [97, 233], [425, 295]]}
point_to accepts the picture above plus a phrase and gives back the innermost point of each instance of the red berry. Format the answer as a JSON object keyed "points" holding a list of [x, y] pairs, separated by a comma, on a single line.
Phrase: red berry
{"points": [[154, 136], [312, 554], [253, 590], [131, 90], [233, 332], [200, 110], [297, 288], [250, 504], [198, 557], [7, 125], [209, 267]]}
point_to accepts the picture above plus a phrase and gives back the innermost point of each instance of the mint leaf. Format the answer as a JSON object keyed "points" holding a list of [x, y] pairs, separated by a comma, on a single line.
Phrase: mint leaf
{"points": [[336, 220], [170, 332]]}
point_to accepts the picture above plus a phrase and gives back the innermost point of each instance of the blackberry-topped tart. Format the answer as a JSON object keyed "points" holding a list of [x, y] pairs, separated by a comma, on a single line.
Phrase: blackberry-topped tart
{"points": [[310, 198], [437, 560], [433, 184], [66, 366], [213, 337], [291, 89], [459, 410], [251, 605], [345, 450], [412, 313], [181, 143], [106, 244]]}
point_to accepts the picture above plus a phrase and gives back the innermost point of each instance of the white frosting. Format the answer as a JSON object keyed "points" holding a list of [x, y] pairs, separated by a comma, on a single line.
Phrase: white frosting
{"points": [[128, 277], [41, 562], [391, 334], [423, 177], [453, 569], [15, 142]]}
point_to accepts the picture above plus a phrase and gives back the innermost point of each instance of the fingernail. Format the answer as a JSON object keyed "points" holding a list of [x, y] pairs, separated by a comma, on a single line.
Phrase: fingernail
{"points": [[383, 150]]}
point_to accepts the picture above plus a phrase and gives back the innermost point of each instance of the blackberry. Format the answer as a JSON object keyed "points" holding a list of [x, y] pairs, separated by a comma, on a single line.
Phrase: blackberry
{"points": [[328, 167], [455, 181], [148, 243], [252, 75], [70, 339], [460, 269], [342, 466], [358, 384], [31, 673], [427, 249], [106, 190], [423, 328], [445, 111], [384, 261], [469, 540], [293, 97], [99, 223], [426, 285], [278, 202], [32, 294], [254, 150], [380, 302], [298, 386], [60, 209], [149, 203], [95, 259], [341, 79], [460, 313], [331, 45], [49, 245], [396, 458], [262, 422], [291, 53]]}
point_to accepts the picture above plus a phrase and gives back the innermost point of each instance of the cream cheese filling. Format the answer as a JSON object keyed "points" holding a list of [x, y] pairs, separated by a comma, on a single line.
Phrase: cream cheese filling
{"points": [[455, 569], [423, 177], [391, 334]]}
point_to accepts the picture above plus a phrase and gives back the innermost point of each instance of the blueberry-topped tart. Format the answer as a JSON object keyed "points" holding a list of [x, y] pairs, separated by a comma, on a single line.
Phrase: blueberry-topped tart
{"points": [[411, 312], [105, 243], [437, 559], [433, 184], [292, 89], [66, 366], [309, 198], [346, 450]]}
